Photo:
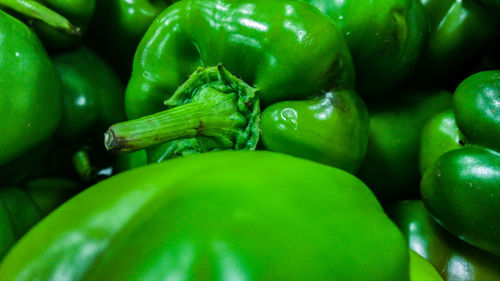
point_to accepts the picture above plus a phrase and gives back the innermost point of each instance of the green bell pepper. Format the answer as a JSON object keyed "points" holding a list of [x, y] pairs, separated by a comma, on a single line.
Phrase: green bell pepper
{"points": [[93, 94], [118, 26], [18, 213], [459, 31], [30, 101], [461, 188], [453, 258], [49, 193], [93, 99], [384, 37], [20, 209], [284, 55], [217, 216], [439, 135], [390, 168]]}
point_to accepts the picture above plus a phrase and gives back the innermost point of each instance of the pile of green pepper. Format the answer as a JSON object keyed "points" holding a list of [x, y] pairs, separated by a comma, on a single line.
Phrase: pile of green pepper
{"points": [[250, 140]]}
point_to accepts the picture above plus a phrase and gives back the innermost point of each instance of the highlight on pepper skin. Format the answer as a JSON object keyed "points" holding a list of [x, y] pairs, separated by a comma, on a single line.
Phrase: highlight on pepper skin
{"points": [[249, 140]]}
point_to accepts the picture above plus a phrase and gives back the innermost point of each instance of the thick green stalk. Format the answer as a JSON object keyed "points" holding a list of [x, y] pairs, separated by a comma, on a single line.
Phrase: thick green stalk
{"points": [[212, 110]]}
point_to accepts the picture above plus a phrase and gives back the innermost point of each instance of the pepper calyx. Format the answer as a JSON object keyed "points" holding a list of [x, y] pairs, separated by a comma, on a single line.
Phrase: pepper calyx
{"points": [[212, 110]]}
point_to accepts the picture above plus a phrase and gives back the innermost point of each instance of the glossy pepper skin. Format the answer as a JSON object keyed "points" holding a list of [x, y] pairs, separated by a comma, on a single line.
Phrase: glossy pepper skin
{"points": [[217, 216], [93, 94], [461, 188], [93, 99], [259, 54], [30, 100], [21, 208], [453, 258], [337, 139], [384, 37], [457, 29], [390, 168], [119, 25], [439, 135]]}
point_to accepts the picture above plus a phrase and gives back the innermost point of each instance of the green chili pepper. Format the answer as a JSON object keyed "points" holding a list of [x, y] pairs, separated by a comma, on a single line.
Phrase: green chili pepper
{"points": [[461, 188], [384, 37], [390, 168], [453, 258], [30, 100], [251, 53], [217, 216]]}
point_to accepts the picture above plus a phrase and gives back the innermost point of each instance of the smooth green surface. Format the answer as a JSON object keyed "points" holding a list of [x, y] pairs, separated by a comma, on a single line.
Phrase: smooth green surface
{"points": [[93, 94], [439, 135], [390, 168], [461, 191], [332, 129], [476, 104], [384, 37], [30, 100], [453, 258], [21, 209], [422, 270], [461, 188], [18, 213], [217, 216], [6, 231]]}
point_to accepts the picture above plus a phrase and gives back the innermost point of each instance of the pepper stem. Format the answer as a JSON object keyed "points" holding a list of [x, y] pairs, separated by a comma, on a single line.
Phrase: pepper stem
{"points": [[213, 109], [36, 10]]}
